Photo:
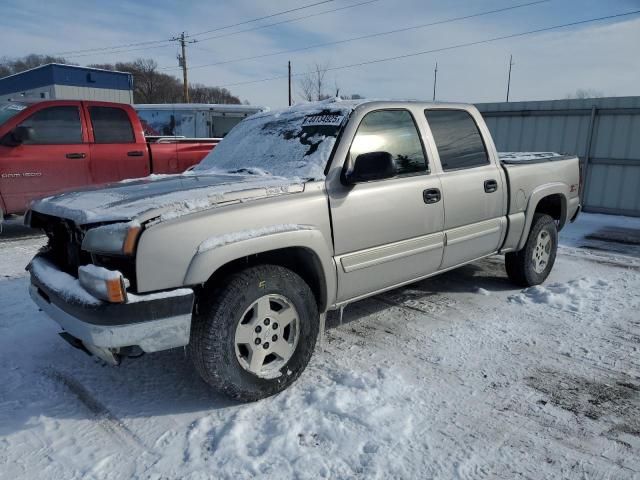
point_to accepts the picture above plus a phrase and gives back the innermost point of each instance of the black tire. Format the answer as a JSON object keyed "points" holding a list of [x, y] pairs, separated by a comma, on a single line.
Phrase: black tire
{"points": [[520, 265], [212, 344]]}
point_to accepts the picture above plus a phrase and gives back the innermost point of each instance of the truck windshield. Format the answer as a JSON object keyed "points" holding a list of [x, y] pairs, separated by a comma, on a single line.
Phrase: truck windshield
{"points": [[295, 142], [8, 110]]}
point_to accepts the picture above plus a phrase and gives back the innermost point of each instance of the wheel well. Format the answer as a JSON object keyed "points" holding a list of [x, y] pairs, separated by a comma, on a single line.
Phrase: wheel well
{"points": [[555, 206], [300, 260]]}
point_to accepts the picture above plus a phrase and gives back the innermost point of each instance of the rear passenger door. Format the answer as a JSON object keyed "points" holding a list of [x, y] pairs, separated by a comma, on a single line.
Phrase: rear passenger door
{"points": [[115, 154], [472, 187]]}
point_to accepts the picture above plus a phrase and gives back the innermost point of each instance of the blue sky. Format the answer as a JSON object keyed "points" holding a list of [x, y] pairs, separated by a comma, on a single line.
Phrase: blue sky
{"points": [[601, 56]]}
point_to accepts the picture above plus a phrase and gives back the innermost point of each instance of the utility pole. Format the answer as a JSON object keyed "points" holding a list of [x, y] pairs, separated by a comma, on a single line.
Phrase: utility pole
{"points": [[182, 62], [435, 81], [511, 64], [289, 68]]}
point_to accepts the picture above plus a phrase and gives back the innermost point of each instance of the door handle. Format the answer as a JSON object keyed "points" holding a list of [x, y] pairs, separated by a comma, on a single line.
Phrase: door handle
{"points": [[135, 153], [76, 155], [490, 186], [431, 195]]}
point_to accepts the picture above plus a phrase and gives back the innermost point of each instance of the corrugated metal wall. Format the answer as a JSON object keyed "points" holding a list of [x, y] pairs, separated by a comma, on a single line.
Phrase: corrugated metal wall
{"points": [[603, 132]]}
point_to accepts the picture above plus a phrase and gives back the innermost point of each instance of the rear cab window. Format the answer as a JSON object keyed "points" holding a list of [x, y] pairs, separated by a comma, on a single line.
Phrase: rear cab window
{"points": [[458, 139], [111, 125]]}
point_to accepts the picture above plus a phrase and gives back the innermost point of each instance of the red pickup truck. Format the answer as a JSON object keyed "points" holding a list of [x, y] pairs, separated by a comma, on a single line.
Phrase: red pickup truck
{"points": [[50, 146]]}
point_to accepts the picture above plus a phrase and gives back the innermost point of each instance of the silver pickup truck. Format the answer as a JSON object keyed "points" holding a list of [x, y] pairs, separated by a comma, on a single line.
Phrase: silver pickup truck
{"points": [[295, 213]]}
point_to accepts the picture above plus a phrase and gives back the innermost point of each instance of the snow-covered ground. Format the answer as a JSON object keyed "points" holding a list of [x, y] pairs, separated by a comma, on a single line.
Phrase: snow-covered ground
{"points": [[459, 376]]}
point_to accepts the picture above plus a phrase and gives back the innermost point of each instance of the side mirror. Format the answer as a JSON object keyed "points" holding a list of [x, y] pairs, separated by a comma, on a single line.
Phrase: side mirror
{"points": [[18, 136], [370, 166]]}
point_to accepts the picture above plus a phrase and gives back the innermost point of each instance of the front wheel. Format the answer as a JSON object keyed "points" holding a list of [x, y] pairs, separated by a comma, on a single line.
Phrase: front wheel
{"points": [[253, 337], [532, 265]]}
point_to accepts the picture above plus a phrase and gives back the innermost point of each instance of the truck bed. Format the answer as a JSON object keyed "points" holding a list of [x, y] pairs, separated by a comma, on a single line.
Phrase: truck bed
{"points": [[525, 174]]}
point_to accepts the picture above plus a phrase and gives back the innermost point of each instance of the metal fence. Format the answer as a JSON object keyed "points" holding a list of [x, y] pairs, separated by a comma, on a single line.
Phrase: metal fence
{"points": [[603, 132]]}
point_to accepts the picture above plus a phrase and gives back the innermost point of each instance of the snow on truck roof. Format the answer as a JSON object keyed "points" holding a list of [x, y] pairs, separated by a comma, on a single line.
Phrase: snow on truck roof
{"points": [[292, 142]]}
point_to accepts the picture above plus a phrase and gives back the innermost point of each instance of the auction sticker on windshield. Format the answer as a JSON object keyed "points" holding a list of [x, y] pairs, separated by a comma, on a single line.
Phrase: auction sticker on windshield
{"points": [[321, 120]]}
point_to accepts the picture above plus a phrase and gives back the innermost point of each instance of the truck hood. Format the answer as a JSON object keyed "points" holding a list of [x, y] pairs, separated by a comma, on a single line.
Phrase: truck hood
{"points": [[164, 196]]}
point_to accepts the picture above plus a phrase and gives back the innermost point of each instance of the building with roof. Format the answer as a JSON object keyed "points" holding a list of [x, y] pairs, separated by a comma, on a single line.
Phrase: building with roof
{"points": [[68, 82]]}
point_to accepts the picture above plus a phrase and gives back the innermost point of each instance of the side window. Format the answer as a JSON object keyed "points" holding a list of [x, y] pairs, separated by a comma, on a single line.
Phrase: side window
{"points": [[392, 131], [458, 139], [111, 125], [54, 125]]}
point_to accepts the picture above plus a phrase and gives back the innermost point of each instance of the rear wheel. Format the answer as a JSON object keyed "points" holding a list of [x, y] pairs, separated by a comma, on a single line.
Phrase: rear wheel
{"points": [[253, 337], [532, 265]]}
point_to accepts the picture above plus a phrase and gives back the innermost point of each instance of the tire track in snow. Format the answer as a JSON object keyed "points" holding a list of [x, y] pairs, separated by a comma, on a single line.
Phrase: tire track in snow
{"points": [[105, 419]]}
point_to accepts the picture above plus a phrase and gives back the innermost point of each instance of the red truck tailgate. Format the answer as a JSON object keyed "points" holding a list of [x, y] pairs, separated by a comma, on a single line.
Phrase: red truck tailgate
{"points": [[176, 156]]}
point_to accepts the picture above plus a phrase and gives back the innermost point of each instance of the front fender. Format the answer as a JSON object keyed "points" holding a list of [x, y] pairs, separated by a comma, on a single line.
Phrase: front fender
{"points": [[216, 252], [538, 194]]}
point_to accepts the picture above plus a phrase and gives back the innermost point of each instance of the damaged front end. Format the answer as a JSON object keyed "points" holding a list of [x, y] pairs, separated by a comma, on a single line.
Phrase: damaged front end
{"points": [[84, 279]]}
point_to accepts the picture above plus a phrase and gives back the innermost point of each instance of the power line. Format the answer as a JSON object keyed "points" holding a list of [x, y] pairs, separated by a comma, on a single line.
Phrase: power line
{"points": [[372, 35], [71, 53], [263, 18], [165, 44], [112, 47], [290, 20], [435, 50]]}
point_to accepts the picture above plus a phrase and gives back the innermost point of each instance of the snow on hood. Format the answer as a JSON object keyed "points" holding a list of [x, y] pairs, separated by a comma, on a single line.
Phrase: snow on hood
{"points": [[296, 141], [169, 196], [265, 154]]}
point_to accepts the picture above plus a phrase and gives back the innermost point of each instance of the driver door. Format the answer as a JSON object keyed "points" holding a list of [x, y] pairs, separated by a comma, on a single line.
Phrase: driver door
{"points": [[387, 232], [55, 159]]}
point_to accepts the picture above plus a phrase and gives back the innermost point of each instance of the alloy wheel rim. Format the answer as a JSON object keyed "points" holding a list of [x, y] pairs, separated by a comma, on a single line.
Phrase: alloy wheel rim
{"points": [[267, 335], [542, 252]]}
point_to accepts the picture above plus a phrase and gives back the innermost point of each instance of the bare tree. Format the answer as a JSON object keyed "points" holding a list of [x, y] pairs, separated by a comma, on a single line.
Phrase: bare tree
{"points": [[312, 85], [5, 69], [585, 93], [199, 93], [9, 66], [146, 78]]}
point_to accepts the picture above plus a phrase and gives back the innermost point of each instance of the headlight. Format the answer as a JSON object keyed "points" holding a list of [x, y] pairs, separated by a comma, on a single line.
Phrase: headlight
{"points": [[103, 284], [115, 239]]}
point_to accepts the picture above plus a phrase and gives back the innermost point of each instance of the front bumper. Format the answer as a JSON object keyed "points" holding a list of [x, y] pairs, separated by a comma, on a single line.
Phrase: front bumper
{"points": [[153, 322]]}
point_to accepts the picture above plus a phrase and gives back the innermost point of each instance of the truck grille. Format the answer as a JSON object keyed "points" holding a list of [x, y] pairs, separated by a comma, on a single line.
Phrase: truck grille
{"points": [[65, 240], [64, 249]]}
